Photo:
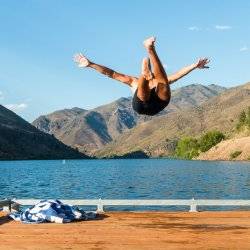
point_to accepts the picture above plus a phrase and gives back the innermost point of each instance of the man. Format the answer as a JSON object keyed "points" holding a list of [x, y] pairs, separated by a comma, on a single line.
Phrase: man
{"points": [[151, 89]]}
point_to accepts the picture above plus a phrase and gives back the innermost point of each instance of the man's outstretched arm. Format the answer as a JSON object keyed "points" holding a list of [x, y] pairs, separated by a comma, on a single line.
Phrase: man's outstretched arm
{"points": [[201, 64], [82, 61]]}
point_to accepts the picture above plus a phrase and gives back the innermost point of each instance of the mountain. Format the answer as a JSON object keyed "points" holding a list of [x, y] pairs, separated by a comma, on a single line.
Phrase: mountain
{"points": [[232, 149], [21, 140], [159, 136], [90, 130]]}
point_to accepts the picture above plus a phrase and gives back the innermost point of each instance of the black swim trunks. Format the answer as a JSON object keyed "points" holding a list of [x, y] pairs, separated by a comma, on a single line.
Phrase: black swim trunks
{"points": [[151, 107]]}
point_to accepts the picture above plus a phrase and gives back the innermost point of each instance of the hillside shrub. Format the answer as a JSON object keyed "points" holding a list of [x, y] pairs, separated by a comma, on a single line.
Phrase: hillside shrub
{"points": [[190, 147], [210, 139], [235, 154], [187, 148]]}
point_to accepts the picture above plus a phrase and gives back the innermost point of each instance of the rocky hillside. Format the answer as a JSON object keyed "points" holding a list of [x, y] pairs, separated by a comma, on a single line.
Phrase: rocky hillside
{"points": [[158, 137], [21, 140], [233, 149], [89, 130]]}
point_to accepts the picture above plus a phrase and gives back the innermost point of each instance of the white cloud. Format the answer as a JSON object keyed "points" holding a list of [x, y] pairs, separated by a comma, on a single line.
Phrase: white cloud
{"points": [[244, 48], [194, 28], [15, 107], [165, 65], [223, 27], [1, 95]]}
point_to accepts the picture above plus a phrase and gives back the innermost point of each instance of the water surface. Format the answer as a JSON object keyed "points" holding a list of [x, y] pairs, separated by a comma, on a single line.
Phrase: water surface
{"points": [[125, 179]]}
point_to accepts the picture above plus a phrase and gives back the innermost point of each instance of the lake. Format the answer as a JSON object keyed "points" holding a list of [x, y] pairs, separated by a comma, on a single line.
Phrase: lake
{"points": [[125, 179]]}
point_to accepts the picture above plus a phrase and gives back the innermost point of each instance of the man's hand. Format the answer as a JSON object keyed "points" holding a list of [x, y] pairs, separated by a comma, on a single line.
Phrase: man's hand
{"points": [[81, 60], [202, 62]]}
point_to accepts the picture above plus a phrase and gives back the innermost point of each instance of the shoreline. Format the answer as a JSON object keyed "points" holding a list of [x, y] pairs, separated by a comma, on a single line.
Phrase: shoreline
{"points": [[150, 158]]}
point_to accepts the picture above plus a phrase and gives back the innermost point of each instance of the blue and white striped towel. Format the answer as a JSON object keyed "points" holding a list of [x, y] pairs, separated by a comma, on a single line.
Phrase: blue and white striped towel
{"points": [[52, 211]]}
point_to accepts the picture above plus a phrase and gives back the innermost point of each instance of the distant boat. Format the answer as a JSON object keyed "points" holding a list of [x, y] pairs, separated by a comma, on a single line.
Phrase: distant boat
{"points": [[63, 161]]}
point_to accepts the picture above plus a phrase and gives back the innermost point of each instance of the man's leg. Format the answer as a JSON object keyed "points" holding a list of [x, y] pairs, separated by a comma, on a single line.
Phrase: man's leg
{"points": [[143, 89], [163, 89]]}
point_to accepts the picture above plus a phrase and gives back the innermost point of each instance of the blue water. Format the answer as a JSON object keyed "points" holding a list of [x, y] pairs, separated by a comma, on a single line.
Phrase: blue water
{"points": [[125, 179]]}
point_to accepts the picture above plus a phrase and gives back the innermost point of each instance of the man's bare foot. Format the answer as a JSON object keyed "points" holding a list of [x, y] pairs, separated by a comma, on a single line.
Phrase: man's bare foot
{"points": [[81, 60], [148, 43], [146, 71]]}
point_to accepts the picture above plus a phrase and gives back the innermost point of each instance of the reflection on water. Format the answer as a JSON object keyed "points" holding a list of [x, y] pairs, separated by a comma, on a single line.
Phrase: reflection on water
{"points": [[125, 179]]}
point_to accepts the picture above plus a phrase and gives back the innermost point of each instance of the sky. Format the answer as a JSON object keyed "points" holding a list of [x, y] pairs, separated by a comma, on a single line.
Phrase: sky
{"points": [[39, 37]]}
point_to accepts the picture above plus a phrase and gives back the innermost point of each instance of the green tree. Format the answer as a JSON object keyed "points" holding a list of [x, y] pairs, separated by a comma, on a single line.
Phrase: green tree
{"points": [[242, 117], [242, 120], [187, 148], [248, 117], [210, 139]]}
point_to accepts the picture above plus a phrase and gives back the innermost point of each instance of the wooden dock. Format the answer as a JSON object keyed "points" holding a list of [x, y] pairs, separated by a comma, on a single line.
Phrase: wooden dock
{"points": [[134, 230]]}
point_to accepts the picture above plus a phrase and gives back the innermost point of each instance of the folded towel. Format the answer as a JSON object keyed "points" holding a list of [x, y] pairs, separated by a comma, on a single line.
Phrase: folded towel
{"points": [[52, 211]]}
